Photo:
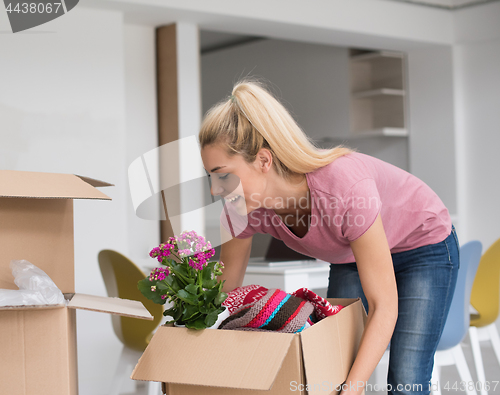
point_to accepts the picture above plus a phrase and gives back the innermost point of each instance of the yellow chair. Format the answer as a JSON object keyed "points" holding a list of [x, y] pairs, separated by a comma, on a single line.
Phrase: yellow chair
{"points": [[120, 276], [485, 297]]}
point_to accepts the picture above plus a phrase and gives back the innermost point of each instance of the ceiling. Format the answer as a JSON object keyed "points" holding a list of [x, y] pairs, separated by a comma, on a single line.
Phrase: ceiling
{"points": [[448, 4], [212, 40]]}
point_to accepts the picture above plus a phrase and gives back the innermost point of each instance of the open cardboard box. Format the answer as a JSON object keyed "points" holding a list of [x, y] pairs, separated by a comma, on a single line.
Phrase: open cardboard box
{"points": [[231, 362], [38, 343]]}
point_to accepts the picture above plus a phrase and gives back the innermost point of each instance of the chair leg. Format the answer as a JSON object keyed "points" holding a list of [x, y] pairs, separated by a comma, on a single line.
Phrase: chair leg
{"points": [[436, 379], [495, 339], [478, 358], [463, 369], [154, 388]]}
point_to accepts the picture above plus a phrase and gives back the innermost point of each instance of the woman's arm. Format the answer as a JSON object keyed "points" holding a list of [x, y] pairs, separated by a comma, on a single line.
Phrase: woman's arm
{"points": [[234, 254], [376, 272]]}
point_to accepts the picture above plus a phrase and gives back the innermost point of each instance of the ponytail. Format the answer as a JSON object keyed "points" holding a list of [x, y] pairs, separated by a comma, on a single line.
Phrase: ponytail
{"points": [[251, 119]]}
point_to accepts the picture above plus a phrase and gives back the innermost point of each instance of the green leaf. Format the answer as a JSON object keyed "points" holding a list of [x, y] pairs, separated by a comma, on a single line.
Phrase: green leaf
{"points": [[189, 312], [211, 318], [161, 286], [206, 273], [192, 289], [180, 274], [199, 323], [221, 297], [210, 295], [194, 317], [182, 270], [169, 311], [209, 284], [187, 297], [175, 285], [174, 312], [145, 287], [204, 309]]}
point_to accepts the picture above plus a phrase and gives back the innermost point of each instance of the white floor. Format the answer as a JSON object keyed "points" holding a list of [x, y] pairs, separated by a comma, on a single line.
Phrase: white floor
{"points": [[449, 374]]}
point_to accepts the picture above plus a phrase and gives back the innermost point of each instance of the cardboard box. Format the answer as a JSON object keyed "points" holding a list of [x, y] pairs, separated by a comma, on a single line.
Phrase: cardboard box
{"points": [[38, 343], [225, 362]]}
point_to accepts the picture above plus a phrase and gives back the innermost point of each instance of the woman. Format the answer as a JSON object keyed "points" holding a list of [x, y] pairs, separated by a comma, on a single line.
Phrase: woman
{"points": [[387, 234]]}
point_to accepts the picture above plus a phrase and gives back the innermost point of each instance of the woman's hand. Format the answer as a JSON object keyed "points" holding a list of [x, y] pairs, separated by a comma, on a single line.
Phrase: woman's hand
{"points": [[376, 273]]}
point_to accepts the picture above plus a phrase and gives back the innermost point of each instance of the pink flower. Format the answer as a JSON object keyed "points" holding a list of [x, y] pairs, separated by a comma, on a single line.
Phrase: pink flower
{"points": [[159, 274], [163, 251], [154, 252]]}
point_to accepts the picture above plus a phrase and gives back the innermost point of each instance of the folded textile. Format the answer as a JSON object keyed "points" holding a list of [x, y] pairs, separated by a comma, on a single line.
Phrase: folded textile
{"points": [[248, 294], [322, 307], [275, 311], [243, 296]]}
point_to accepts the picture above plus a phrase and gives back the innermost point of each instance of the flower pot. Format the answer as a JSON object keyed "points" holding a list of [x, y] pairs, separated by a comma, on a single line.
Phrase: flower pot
{"points": [[222, 316]]}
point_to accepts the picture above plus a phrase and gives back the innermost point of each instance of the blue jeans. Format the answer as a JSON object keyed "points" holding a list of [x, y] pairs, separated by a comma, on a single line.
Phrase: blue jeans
{"points": [[426, 278]]}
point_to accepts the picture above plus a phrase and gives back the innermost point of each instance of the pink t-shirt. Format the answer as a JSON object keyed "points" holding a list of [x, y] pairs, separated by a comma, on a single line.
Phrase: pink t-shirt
{"points": [[346, 197]]}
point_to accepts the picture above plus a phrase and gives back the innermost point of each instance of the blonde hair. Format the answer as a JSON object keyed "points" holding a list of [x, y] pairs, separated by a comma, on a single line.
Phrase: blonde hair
{"points": [[251, 119]]}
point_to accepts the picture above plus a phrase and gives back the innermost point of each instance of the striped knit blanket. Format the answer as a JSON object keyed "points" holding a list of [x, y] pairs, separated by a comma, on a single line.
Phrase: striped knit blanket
{"points": [[256, 308]]}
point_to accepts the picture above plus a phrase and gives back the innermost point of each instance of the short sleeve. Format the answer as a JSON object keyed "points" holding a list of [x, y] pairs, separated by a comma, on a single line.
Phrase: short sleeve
{"points": [[361, 206], [236, 225]]}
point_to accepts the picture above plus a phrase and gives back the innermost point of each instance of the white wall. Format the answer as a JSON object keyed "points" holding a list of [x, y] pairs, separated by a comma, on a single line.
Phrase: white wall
{"points": [[141, 126], [189, 113], [65, 102], [431, 121], [477, 78]]}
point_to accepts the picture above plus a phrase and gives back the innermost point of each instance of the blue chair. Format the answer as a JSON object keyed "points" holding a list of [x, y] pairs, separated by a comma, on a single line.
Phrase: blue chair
{"points": [[457, 324]]}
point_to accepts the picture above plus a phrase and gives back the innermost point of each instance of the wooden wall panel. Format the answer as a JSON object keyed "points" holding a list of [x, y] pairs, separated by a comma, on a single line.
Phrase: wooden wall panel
{"points": [[168, 108]]}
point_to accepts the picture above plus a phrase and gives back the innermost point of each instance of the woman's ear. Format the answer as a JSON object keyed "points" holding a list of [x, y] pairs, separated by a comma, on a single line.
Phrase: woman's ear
{"points": [[264, 160]]}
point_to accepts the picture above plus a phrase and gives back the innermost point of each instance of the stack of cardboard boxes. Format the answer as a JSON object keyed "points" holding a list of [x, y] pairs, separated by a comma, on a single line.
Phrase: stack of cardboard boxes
{"points": [[38, 343]]}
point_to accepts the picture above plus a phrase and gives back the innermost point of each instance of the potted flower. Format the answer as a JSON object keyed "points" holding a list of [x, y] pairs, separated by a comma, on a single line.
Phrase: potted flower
{"points": [[188, 280]]}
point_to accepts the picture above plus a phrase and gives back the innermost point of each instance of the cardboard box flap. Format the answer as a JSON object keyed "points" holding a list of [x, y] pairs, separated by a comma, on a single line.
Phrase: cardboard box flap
{"points": [[25, 184], [94, 182], [32, 307], [337, 339], [219, 358], [123, 307]]}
